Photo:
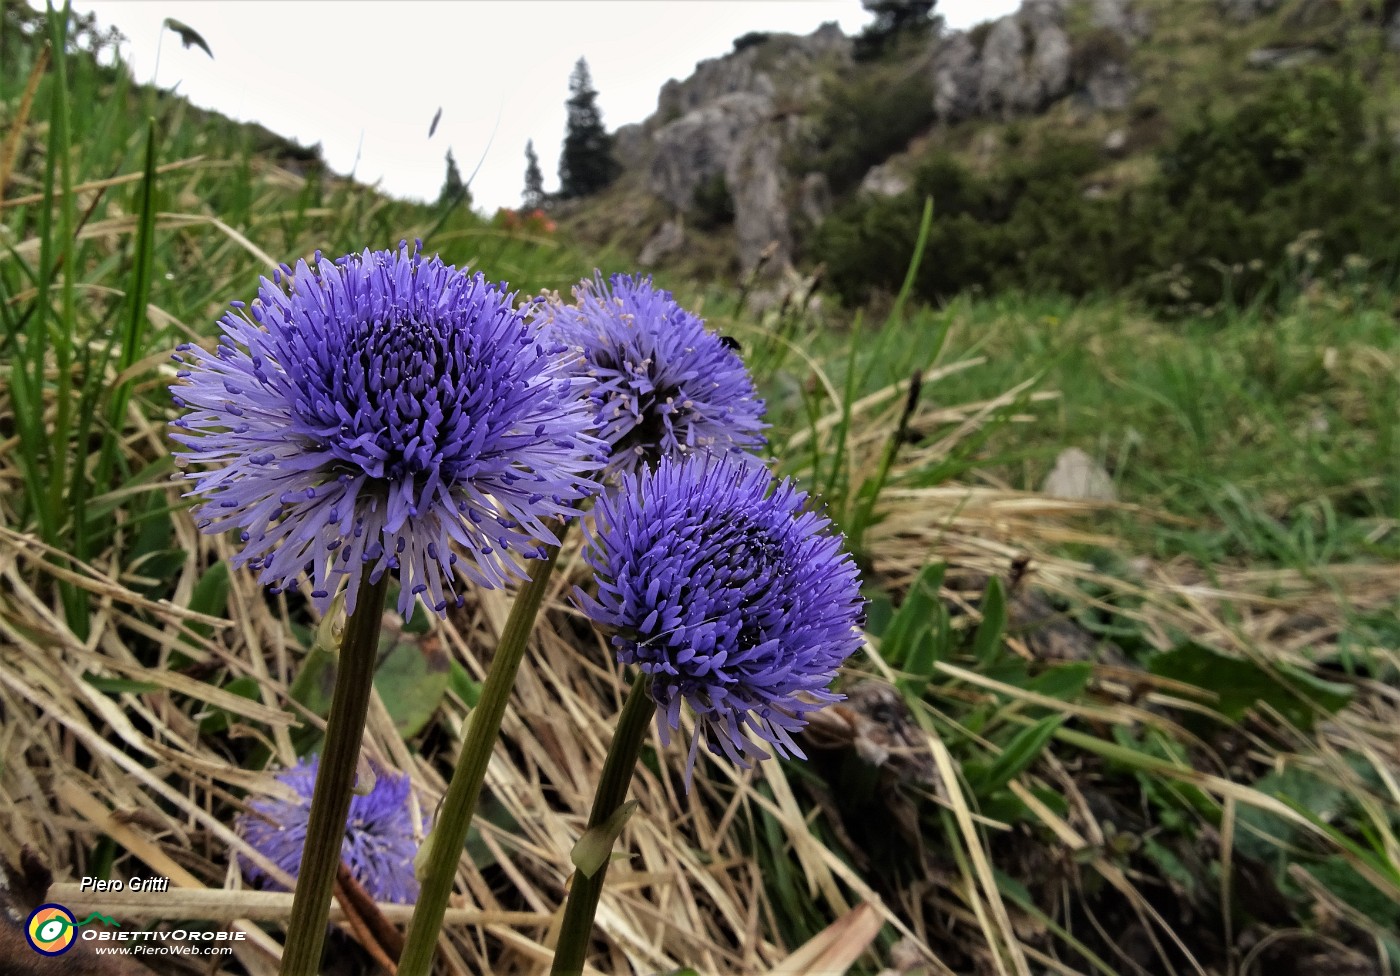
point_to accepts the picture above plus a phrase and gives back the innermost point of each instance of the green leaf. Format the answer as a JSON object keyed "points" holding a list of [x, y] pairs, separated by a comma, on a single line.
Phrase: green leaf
{"points": [[1018, 755], [914, 615], [119, 685], [412, 680], [210, 596], [1240, 685], [929, 644], [1063, 682], [986, 645], [462, 685], [1351, 888], [1261, 834], [879, 612]]}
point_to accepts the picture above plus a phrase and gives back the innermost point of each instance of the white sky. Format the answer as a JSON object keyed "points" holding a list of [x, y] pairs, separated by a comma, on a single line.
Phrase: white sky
{"points": [[365, 77]]}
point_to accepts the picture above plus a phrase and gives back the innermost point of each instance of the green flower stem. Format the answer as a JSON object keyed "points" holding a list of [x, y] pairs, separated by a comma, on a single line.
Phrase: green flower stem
{"points": [[335, 778], [448, 837], [626, 747]]}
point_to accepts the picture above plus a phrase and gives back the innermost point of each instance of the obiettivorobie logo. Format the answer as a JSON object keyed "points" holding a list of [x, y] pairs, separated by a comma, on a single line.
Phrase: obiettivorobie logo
{"points": [[52, 930]]}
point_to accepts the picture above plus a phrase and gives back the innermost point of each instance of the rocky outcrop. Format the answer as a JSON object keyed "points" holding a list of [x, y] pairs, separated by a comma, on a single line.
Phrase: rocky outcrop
{"points": [[702, 143], [1026, 61], [739, 120], [956, 78], [729, 120]]}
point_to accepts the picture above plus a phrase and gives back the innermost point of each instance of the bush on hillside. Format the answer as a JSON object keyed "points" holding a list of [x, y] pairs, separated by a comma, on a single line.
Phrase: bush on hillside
{"points": [[1218, 221], [864, 121]]}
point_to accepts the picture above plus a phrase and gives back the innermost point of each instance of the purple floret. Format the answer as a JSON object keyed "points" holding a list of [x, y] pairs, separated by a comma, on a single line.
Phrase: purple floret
{"points": [[661, 383], [379, 844], [376, 412], [730, 595]]}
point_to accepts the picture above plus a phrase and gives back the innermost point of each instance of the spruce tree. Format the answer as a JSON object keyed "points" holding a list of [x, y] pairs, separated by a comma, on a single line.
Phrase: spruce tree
{"points": [[533, 197], [893, 19], [586, 165], [453, 189]]}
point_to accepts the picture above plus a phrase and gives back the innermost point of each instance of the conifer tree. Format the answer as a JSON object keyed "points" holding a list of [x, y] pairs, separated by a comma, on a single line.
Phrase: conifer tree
{"points": [[586, 165], [893, 19], [533, 197], [453, 189]]}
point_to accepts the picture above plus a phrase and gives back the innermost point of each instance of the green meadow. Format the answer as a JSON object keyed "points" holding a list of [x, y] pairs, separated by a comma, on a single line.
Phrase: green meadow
{"points": [[1154, 735]]}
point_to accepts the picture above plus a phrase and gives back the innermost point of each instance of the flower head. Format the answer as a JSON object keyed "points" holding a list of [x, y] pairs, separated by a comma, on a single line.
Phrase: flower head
{"points": [[729, 595], [662, 384], [379, 844], [367, 413]]}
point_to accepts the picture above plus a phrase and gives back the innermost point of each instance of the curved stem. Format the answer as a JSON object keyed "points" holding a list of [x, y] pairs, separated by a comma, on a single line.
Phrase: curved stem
{"points": [[330, 798], [632, 726], [448, 837]]}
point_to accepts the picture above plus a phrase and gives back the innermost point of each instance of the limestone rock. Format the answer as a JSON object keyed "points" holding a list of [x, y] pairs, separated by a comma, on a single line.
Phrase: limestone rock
{"points": [[884, 181], [956, 77], [733, 118], [814, 199], [668, 239], [1124, 17], [1109, 87], [755, 177], [702, 143], [630, 146], [1077, 475], [1023, 66], [999, 81]]}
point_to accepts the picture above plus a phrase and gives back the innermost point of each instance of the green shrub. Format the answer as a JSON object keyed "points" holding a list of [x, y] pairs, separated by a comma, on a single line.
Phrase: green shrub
{"points": [[751, 39], [713, 204], [1245, 205], [865, 120]]}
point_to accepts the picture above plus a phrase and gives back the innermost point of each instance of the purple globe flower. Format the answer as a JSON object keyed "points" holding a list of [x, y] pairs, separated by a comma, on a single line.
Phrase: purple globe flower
{"points": [[379, 844], [369, 413], [729, 595], [663, 385]]}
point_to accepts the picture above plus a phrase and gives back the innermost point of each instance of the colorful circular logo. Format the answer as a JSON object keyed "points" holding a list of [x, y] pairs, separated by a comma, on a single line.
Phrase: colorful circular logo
{"points": [[51, 930]]}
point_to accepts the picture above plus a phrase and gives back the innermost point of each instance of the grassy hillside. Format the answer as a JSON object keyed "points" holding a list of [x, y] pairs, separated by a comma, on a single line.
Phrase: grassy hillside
{"points": [[1156, 736]]}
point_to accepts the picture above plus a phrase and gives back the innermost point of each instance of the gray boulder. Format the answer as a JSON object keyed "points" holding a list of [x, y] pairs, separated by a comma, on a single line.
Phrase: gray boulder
{"points": [[668, 239], [1078, 476], [884, 181]]}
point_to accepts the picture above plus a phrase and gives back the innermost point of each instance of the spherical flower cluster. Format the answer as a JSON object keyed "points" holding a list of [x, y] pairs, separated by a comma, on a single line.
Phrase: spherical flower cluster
{"points": [[366, 414], [379, 845], [662, 384], [729, 595]]}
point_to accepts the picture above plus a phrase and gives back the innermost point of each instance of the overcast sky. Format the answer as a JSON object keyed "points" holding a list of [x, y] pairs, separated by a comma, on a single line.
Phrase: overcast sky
{"points": [[365, 77]]}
